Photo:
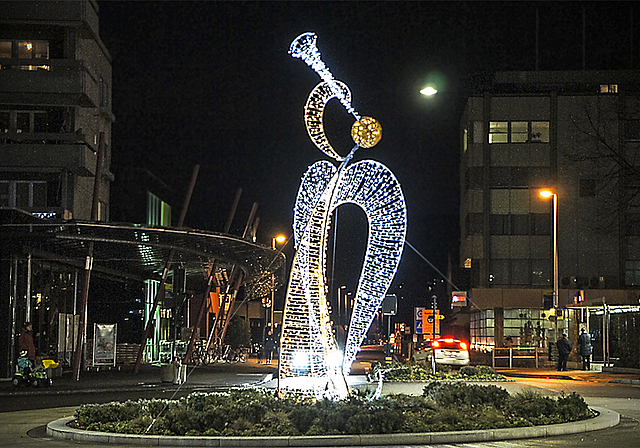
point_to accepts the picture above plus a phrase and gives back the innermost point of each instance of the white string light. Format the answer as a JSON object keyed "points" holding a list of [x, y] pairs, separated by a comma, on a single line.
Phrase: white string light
{"points": [[310, 363]]}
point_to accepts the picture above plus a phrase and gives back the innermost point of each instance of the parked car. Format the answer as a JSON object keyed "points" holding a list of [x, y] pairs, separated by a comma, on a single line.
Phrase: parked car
{"points": [[448, 351]]}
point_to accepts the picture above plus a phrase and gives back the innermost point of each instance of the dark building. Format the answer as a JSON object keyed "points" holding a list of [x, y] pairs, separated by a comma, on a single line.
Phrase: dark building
{"points": [[578, 135], [55, 102]]}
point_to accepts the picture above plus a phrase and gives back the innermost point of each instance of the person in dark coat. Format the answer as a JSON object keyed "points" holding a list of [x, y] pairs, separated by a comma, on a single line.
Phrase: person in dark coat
{"points": [[564, 348], [25, 342], [269, 347], [585, 349]]}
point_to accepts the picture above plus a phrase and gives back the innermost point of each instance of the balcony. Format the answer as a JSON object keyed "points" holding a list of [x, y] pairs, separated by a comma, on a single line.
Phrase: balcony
{"points": [[68, 151], [47, 81]]}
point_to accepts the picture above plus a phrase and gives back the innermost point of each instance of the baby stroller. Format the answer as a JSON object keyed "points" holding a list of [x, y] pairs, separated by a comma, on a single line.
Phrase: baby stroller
{"points": [[28, 375]]}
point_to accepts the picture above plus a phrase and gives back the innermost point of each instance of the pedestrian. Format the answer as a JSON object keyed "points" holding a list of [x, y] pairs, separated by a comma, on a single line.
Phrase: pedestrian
{"points": [[269, 347], [584, 347], [260, 350], [564, 348], [25, 342]]}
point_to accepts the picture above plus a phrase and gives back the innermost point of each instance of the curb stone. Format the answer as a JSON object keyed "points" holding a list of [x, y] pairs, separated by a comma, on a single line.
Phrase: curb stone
{"points": [[606, 418]]}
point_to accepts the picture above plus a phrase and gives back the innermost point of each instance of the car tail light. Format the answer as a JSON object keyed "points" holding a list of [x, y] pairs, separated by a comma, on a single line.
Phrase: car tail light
{"points": [[463, 345], [435, 344]]}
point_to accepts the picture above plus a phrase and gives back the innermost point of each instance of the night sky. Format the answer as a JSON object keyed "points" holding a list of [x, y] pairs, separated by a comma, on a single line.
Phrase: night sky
{"points": [[211, 83]]}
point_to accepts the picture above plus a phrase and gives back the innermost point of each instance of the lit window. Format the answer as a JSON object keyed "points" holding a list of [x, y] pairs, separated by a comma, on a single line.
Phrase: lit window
{"points": [[608, 88], [540, 132], [519, 131], [36, 49], [498, 132], [465, 136]]}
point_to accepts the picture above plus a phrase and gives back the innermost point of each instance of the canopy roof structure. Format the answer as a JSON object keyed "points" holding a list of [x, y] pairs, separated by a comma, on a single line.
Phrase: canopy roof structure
{"points": [[134, 251]]}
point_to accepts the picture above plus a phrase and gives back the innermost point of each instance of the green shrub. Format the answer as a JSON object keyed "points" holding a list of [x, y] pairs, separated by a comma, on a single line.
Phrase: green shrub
{"points": [[573, 407], [468, 371], [443, 407], [485, 370], [465, 394]]}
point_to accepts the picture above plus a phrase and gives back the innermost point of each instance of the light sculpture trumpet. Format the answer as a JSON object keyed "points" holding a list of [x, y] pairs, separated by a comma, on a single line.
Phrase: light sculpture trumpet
{"points": [[310, 363]]}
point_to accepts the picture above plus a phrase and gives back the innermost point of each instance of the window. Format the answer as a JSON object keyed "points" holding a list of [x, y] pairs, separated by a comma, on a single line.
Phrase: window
{"points": [[158, 211], [473, 178], [23, 122], [540, 224], [520, 225], [632, 272], [473, 224], [499, 224], [608, 88], [587, 188], [4, 194], [519, 131], [540, 272], [32, 49], [520, 272], [499, 176], [23, 194], [465, 136], [632, 130], [104, 93], [498, 132], [478, 132], [4, 121], [500, 272], [32, 121], [633, 224], [5, 50], [539, 132], [520, 177]]}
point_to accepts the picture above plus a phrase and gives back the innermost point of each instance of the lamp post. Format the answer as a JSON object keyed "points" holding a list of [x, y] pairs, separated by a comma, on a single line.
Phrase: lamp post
{"points": [[276, 239], [546, 193]]}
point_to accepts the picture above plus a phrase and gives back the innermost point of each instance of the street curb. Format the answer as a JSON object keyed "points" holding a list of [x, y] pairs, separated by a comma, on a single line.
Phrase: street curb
{"points": [[606, 418]]}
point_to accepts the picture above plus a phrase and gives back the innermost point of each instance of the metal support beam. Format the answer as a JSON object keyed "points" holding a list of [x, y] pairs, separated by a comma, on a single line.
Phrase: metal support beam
{"points": [[165, 272]]}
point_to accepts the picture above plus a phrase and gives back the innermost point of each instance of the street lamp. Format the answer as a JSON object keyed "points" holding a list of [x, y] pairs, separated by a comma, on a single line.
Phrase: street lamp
{"points": [[277, 239], [274, 241], [545, 193], [429, 91]]}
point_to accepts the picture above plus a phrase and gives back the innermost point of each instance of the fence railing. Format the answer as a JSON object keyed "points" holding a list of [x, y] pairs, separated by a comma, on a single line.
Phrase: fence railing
{"points": [[511, 353]]}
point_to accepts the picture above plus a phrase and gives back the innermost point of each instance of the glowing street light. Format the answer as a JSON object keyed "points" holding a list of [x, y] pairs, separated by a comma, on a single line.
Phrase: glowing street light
{"points": [[546, 193], [277, 239], [274, 241], [429, 91]]}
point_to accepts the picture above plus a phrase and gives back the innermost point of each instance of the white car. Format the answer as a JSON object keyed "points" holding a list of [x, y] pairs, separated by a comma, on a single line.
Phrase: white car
{"points": [[448, 351]]}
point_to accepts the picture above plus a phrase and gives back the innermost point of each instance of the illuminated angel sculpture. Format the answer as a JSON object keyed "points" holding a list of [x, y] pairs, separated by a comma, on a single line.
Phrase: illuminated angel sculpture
{"points": [[310, 362]]}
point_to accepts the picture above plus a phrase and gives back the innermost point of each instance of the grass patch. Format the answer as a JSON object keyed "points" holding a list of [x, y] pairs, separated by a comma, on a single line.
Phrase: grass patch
{"points": [[443, 406]]}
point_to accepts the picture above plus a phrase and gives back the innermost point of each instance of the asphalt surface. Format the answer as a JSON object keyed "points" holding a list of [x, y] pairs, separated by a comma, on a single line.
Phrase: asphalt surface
{"points": [[24, 412]]}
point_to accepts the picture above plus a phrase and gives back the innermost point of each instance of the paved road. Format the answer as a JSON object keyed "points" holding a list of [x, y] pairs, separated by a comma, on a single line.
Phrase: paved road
{"points": [[25, 428]]}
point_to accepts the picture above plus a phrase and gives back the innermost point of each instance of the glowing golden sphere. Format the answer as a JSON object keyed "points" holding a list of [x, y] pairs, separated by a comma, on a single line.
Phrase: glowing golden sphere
{"points": [[366, 132]]}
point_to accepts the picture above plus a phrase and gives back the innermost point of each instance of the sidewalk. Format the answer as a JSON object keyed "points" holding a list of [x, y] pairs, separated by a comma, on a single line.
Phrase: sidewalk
{"points": [[149, 377], [579, 375]]}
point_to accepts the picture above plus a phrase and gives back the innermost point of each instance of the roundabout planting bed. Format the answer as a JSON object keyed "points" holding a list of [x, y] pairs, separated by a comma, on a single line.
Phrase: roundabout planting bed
{"points": [[422, 372], [443, 406]]}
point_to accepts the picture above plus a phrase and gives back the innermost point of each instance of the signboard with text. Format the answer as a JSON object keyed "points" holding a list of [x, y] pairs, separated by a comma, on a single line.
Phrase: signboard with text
{"points": [[459, 298], [423, 320]]}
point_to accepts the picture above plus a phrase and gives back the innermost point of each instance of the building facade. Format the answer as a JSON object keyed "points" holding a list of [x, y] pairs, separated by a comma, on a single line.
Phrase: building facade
{"points": [[55, 103], [577, 134]]}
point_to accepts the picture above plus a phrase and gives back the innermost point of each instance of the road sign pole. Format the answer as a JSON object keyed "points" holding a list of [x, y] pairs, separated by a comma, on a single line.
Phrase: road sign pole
{"points": [[434, 300]]}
